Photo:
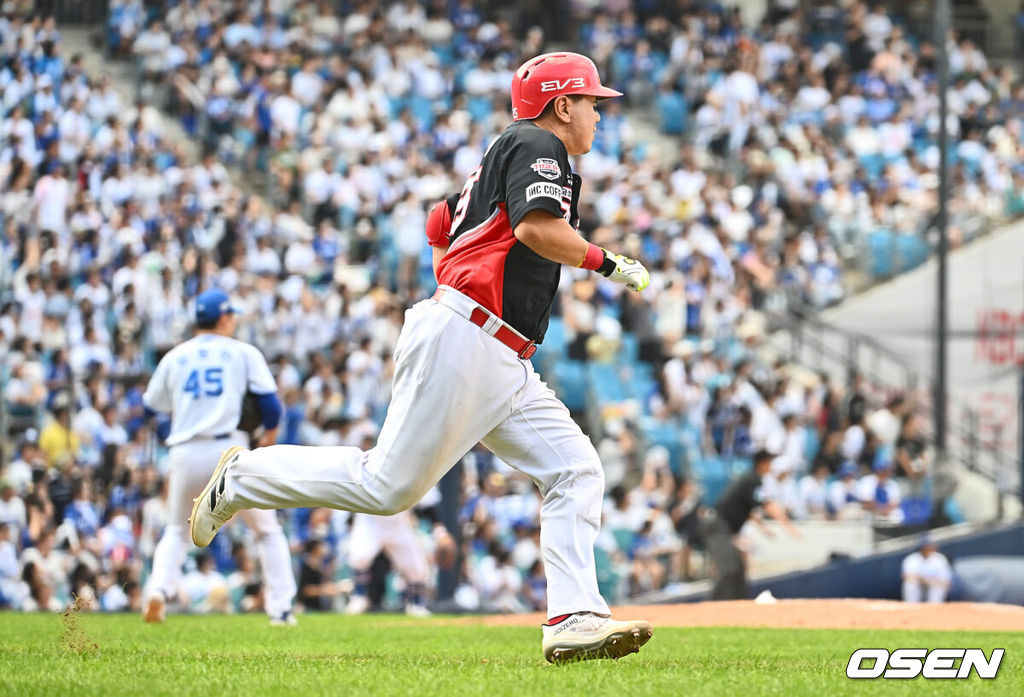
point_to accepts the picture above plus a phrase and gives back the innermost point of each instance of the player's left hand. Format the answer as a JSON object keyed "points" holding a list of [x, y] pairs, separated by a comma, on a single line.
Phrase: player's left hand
{"points": [[626, 271]]}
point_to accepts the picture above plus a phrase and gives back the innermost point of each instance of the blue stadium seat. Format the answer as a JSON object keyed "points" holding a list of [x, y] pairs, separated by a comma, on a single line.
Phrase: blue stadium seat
{"points": [[713, 476], [672, 112], [913, 250], [623, 538], [605, 383], [667, 435], [916, 511], [607, 576], [479, 108], [952, 511], [872, 164], [570, 378], [630, 348], [422, 110], [812, 443], [880, 253]]}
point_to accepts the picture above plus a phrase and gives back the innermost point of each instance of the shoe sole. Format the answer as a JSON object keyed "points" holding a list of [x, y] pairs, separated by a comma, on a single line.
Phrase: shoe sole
{"points": [[614, 646], [224, 459], [154, 612]]}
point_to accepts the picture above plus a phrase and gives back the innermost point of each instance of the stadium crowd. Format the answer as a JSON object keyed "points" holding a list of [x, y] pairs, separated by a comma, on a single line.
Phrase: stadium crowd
{"points": [[109, 230]]}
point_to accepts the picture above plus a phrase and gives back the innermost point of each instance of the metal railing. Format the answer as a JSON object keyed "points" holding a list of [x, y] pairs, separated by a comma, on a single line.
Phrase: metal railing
{"points": [[825, 347]]}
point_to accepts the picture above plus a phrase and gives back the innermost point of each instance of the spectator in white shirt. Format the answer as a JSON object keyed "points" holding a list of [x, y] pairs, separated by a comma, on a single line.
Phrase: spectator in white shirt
{"points": [[13, 591], [285, 112], [307, 85], [263, 260], [12, 509], [843, 498], [151, 46], [879, 494], [813, 493], [927, 574], [877, 27], [52, 196], [854, 439]]}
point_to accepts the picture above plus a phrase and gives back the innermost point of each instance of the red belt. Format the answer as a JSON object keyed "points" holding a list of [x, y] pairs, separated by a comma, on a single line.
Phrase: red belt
{"points": [[524, 348]]}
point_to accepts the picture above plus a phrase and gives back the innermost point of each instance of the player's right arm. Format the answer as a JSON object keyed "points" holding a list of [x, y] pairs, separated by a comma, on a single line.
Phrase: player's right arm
{"points": [[776, 511], [540, 194], [553, 238], [158, 396], [261, 383]]}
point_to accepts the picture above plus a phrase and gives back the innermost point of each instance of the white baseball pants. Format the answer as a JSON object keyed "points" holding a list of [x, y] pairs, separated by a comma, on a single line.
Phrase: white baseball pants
{"points": [[395, 536], [191, 466], [454, 386]]}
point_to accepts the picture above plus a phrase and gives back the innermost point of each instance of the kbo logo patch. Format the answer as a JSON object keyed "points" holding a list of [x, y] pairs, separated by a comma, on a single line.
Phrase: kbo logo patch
{"points": [[547, 168]]}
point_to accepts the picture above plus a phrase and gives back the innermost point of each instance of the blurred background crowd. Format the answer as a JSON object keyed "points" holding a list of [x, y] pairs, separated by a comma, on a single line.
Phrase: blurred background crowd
{"points": [[783, 158]]}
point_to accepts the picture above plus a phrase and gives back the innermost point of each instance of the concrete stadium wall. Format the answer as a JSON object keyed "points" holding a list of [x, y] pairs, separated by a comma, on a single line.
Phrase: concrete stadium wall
{"points": [[877, 576]]}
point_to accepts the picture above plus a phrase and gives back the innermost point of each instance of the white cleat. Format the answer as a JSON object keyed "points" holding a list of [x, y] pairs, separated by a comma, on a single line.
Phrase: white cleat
{"points": [[156, 609], [584, 636], [210, 511], [417, 611], [285, 619], [357, 605]]}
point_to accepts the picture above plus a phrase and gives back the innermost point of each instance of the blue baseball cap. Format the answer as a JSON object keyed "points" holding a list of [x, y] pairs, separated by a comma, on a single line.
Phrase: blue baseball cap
{"points": [[213, 303]]}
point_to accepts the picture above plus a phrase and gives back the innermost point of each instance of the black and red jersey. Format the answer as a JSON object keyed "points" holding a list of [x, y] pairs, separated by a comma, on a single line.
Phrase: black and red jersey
{"points": [[525, 168]]}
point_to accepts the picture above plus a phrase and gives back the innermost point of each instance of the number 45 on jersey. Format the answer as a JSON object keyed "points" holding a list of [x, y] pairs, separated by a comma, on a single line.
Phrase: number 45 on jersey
{"points": [[208, 383]]}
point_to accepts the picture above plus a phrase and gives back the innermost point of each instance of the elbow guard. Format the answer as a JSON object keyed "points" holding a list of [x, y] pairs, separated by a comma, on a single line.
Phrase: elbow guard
{"points": [[439, 222], [270, 410]]}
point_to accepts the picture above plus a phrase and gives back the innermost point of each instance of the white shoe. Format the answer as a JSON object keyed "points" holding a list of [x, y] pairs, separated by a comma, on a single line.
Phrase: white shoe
{"points": [[156, 609], [417, 611], [357, 605], [210, 511], [584, 635], [285, 619]]}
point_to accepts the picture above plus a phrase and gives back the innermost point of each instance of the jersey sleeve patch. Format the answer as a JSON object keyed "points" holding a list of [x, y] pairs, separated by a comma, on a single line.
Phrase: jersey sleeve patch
{"points": [[547, 168], [552, 191]]}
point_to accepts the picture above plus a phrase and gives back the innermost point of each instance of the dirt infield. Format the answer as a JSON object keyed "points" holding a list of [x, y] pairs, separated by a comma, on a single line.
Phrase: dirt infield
{"points": [[811, 614]]}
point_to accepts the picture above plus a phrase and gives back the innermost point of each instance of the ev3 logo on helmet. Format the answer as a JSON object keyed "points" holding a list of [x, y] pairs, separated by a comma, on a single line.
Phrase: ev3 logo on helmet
{"points": [[556, 85], [547, 168]]}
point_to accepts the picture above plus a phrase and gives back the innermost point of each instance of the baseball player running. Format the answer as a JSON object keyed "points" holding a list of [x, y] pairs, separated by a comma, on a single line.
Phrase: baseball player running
{"points": [[396, 536], [463, 373], [201, 383]]}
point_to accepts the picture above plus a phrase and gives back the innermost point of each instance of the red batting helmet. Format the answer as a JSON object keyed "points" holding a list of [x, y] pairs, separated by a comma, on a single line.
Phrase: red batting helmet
{"points": [[541, 79]]}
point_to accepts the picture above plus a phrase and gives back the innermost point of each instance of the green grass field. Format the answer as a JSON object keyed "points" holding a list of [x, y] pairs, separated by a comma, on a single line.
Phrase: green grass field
{"points": [[390, 655]]}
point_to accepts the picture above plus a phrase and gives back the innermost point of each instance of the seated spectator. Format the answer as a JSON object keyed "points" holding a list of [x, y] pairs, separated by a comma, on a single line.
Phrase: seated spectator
{"points": [[12, 510], [813, 492], [844, 500], [927, 575], [82, 513], [536, 587], [911, 449], [57, 440], [49, 577], [205, 588], [13, 590], [499, 581], [879, 494], [317, 591]]}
